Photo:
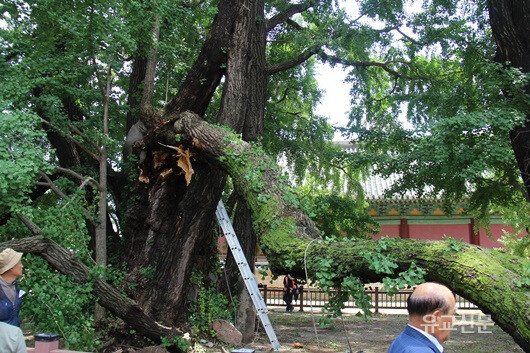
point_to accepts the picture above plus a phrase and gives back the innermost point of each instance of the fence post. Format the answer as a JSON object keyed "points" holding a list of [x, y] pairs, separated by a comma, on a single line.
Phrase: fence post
{"points": [[46, 342], [265, 293], [301, 297], [376, 300]]}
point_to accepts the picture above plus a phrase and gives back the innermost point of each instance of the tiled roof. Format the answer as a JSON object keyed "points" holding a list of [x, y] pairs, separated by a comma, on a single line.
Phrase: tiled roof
{"points": [[375, 186]]}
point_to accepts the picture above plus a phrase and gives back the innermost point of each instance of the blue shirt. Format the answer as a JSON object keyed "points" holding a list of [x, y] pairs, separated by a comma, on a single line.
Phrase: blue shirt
{"points": [[431, 338], [412, 340]]}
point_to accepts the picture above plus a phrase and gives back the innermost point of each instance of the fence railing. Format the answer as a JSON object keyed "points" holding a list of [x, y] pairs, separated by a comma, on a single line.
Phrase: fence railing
{"points": [[379, 298]]}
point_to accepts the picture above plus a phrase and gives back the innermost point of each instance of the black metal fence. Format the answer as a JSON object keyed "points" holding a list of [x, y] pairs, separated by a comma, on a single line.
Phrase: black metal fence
{"points": [[379, 298]]}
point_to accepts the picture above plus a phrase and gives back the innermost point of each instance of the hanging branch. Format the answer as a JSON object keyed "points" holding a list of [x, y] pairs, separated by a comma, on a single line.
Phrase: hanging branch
{"points": [[288, 64], [383, 65]]}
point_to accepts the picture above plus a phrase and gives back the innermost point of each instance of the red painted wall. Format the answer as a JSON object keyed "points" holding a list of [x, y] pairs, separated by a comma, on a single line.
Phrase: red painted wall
{"points": [[496, 230], [437, 231], [391, 230]]}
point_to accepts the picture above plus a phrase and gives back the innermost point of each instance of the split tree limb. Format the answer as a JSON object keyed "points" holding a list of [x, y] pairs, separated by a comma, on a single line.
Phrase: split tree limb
{"points": [[486, 277]]}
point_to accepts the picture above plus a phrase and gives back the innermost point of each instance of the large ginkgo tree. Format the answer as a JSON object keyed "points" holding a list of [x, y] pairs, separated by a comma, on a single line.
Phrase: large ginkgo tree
{"points": [[122, 122]]}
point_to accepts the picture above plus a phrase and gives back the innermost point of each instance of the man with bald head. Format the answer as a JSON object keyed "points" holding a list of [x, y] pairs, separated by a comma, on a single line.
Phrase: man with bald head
{"points": [[431, 310]]}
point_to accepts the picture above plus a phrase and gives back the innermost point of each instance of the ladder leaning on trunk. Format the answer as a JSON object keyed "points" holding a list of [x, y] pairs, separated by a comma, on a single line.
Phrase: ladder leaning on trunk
{"points": [[244, 269]]}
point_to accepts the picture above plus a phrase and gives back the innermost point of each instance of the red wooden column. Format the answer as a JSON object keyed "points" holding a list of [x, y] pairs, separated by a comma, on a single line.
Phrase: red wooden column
{"points": [[404, 232], [474, 238]]}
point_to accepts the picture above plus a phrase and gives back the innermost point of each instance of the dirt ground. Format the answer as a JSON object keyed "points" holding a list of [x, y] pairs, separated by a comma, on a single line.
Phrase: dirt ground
{"points": [[472, 334]]}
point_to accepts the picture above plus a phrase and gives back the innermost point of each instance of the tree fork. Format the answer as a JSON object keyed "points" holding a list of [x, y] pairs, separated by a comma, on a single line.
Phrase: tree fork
{"points": [[486, 277]]}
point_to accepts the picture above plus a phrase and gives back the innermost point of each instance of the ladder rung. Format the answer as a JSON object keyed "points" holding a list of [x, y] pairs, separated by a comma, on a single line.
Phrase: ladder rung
{"points": [[248, 276]]}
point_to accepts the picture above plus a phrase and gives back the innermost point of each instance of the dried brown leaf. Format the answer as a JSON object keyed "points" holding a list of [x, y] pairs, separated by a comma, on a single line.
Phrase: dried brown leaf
{"points": [[184, 162]]}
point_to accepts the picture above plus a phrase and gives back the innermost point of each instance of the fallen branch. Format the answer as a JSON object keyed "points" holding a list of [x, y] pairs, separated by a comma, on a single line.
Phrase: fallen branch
{"points": [[109, 297]]}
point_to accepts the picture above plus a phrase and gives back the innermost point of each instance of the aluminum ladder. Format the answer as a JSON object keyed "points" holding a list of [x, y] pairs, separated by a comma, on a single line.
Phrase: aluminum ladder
{"points": [[244, 269]]}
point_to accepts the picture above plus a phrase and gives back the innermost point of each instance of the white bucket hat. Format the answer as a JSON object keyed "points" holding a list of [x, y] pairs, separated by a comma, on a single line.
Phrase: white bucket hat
{"points": [[8, 259]]}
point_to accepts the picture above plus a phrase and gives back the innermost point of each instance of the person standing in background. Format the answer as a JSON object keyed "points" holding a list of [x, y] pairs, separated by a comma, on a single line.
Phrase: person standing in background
{"points": [[10, 294], [289, 287]]}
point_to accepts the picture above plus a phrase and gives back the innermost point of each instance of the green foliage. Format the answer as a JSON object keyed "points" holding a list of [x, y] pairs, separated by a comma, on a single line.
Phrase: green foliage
{"points": [[55, 303], [208, 306], [525, 276], [458, 104], [461, 107], [338, 215], [325, 275], [51, 52], [178, 342], [515, 243], [351, 288], [339, 290], [380, 261], [23, 152], [263, 271], [290, 263], [453, 244], [409, 278], [517, 215], [148, 272]]}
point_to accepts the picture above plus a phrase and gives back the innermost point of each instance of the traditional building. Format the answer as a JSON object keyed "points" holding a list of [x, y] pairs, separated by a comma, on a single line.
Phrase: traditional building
{"points": [[418, 218]]}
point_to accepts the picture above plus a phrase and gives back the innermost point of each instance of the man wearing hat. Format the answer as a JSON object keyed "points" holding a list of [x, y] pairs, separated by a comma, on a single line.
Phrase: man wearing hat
{"points": [[10, 295]]}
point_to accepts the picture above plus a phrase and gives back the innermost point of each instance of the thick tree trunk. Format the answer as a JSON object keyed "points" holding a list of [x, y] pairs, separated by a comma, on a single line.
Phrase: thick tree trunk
{"points": [[486, 277], [170, 225], [250, 65], [510, 24], [204, 76], [136, 78], [166, 238]]}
